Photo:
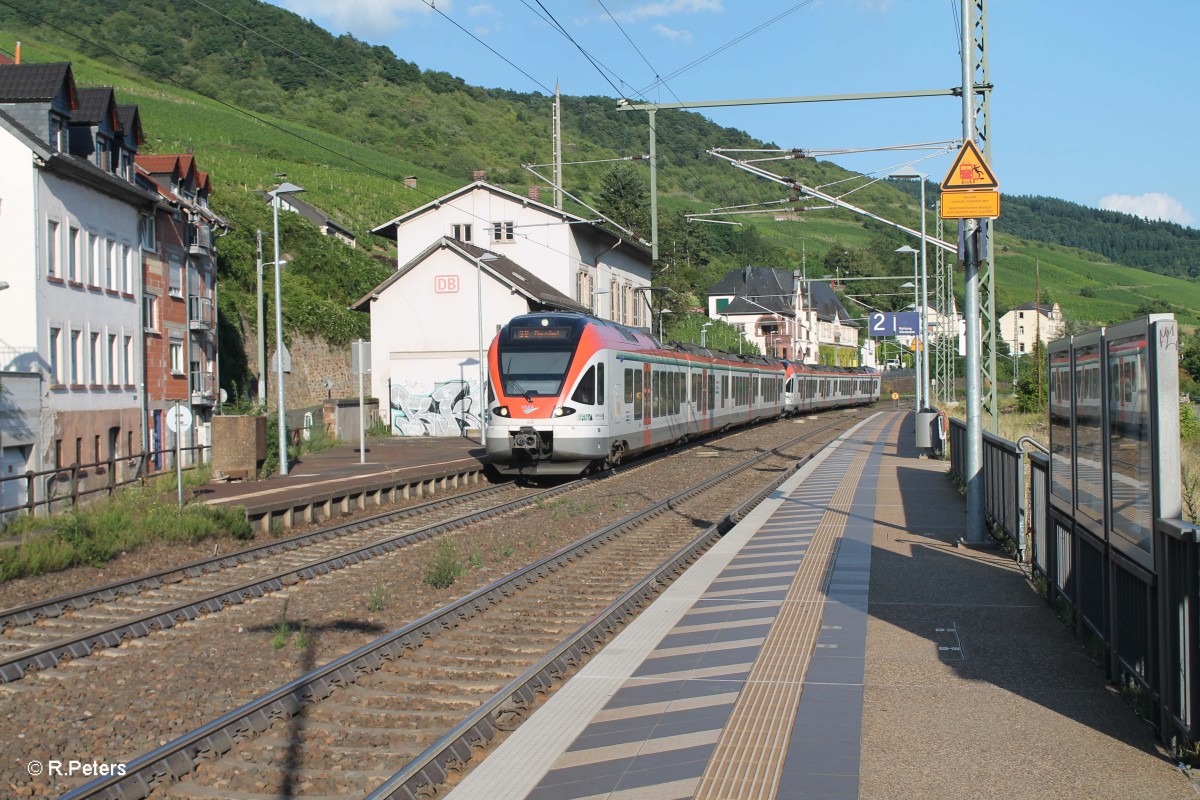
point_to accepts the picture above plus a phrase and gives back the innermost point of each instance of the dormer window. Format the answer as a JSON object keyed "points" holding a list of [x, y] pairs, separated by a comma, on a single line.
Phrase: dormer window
{"points": [[58, 130]]}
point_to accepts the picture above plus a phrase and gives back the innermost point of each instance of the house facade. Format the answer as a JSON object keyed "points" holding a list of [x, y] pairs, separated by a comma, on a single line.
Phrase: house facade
{"points": [[179, 317], [71, 229], [599, 270], [784, 315], [1021, 327], [429, 320]]}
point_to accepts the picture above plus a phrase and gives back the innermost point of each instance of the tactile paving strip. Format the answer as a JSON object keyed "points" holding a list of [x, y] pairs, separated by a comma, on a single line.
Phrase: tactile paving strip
{"points": [[749, 755]]}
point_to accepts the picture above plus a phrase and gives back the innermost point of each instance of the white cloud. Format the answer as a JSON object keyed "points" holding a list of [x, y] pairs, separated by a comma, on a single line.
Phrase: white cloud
{"points": [[666, 8], [361, 17], [674, 35], [1152, 205], [483, 9]]}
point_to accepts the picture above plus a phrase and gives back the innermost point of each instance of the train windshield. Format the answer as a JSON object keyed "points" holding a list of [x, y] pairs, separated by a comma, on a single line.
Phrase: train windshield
{"points": [[535, 354]]}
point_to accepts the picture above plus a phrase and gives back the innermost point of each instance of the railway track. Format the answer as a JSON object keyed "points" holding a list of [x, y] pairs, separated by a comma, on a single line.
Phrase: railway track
{"points": [[42, 634], [469, 668]]}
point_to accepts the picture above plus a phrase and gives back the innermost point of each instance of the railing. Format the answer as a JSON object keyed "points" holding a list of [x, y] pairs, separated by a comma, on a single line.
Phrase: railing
{"points": [[201, 243], [1143, 627], [54, 490], [200, 313], [1003, 481], [200, 383]]}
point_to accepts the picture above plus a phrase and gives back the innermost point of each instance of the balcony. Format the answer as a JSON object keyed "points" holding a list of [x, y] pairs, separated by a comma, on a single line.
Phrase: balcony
{"points": [[201, 387], [200, 314], [201, 244]]}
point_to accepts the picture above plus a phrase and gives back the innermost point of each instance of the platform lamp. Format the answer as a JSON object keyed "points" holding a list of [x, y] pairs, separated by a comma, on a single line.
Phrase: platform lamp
{"points": [[920, 340], [908, 173], [703, 333], [276, 194]]}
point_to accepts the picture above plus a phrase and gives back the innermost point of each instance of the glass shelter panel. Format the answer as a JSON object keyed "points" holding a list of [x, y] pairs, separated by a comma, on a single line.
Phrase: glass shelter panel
{"points": [[1089, 433], [1061, 479], [1129, 439]]}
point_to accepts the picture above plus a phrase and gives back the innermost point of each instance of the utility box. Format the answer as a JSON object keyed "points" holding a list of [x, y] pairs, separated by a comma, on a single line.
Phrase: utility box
{"points": [[239, 446], [927, 430]]}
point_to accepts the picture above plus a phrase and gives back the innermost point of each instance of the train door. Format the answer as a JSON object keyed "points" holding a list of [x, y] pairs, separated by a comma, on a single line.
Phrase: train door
{"points": [[647, 404]]}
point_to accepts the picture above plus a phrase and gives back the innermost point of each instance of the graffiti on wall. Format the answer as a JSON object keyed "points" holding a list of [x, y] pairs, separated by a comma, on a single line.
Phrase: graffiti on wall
{"points": [[449, 410]]}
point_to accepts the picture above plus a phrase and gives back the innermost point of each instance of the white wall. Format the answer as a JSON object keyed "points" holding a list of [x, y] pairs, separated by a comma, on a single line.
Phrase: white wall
{"points": [[424, 330], [543, 249], [544, 245], [90, 309], [18, 303]]}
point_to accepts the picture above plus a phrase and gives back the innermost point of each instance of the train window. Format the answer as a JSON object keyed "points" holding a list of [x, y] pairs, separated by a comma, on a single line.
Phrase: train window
{"points": [[629, 386], [585, 392], [638, 397], [534, 372], [712, 393], [600, 384]]}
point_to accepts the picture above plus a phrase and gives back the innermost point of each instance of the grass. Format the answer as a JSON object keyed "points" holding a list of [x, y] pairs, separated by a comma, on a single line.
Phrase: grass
{"points": [[134, 517], [378, 599]]}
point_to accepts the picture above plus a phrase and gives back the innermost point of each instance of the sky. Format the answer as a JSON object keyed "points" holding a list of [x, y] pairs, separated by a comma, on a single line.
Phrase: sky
{"points": [[1093, 100]]}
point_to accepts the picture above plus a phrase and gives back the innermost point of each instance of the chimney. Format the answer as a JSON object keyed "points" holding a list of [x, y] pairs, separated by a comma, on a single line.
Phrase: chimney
{"points": [[410, 181], [535, 193], [17, 54], [479, 175]]}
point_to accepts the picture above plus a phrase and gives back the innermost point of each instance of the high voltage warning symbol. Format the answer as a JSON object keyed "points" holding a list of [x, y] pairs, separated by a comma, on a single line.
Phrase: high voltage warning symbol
{"points": [[969, 171]]}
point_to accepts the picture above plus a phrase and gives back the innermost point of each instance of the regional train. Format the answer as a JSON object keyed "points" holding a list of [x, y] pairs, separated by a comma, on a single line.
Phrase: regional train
{"points": [[569, 393]]}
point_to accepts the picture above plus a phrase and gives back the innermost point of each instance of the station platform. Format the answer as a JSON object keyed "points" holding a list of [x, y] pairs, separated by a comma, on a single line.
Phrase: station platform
{"points": [[839, 643], [333, 481]]}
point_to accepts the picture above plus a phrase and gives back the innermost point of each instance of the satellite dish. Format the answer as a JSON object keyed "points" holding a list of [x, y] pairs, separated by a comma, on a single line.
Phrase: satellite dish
{"points": [[224, 395]]}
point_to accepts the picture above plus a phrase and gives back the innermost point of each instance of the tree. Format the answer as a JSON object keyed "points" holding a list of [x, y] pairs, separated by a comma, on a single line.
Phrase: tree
{"points": [[625, 198], [1032, 386]]}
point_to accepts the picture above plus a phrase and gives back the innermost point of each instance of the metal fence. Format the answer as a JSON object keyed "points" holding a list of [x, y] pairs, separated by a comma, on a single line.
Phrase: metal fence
{"points": [[54, 490], [1143, 626]]}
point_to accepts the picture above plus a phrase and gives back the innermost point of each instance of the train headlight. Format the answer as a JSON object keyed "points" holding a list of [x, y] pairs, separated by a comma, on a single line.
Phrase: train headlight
{"points": [[563, 411], [502, 411]]}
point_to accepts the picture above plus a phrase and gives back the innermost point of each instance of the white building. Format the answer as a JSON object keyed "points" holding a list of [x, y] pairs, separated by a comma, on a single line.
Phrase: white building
{"points": [[1023, 325], [425, 332], [598, 269], [70, 227]]}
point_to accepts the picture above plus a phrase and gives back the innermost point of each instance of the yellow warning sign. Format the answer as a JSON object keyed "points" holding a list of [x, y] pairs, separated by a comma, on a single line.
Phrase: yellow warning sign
{"points": [[970, 205], [969, 171]]}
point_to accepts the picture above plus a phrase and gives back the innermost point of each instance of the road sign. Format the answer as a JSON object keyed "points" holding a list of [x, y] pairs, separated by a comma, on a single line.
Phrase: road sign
{"points": [[970, 205], [179, 419], [969, 171]]}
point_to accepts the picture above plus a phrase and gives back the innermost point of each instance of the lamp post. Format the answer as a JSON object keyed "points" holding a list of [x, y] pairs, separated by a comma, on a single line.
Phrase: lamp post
{"points": [[661, 314], [703, 332], [282, 189], [479, 310], [919, 342], [923, 377]]}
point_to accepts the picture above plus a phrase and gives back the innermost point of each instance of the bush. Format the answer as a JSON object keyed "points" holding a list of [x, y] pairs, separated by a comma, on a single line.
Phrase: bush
{"points": [[445, 567], [1189, 423]]}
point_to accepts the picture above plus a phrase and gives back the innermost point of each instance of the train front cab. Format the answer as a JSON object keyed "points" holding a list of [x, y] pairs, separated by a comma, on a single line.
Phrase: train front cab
{"points": [[534, 426]]}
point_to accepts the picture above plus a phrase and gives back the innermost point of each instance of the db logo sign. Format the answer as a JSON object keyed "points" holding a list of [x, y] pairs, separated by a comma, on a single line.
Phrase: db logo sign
{"points": [[445, 284]]}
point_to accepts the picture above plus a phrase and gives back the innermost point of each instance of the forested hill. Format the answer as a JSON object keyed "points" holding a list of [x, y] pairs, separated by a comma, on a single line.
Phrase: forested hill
{"points": [[1162, 247], [263, 58]]}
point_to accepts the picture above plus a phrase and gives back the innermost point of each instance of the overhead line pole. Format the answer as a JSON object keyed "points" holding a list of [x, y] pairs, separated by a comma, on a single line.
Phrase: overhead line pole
{"points": [[976, 531]]}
